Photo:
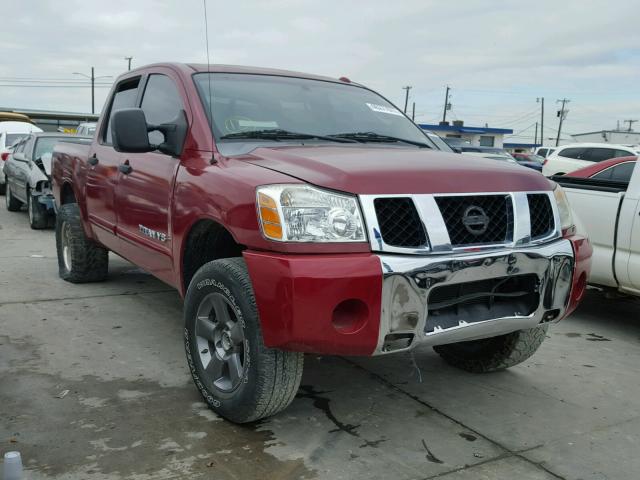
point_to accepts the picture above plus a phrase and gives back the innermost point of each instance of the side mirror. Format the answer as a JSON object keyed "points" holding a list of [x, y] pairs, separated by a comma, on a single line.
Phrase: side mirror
{"points": [[175, 133], [19, 156], [129, 131]]}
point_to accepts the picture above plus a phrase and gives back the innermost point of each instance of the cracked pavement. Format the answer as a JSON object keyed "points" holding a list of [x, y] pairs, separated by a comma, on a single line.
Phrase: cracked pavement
{"points": [[131, 411]]}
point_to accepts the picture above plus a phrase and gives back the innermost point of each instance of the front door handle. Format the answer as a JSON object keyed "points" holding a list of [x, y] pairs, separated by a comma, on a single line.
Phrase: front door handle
{"points": [[93, 160], [125, 167]]}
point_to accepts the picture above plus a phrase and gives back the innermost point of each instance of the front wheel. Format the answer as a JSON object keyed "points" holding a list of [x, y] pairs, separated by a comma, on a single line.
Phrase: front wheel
{"points": [[495, 353], [38, 218], [240, 378]]}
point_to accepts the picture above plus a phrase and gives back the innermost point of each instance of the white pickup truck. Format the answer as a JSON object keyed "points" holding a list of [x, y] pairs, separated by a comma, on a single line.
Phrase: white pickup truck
{"points": [[609, 213]]}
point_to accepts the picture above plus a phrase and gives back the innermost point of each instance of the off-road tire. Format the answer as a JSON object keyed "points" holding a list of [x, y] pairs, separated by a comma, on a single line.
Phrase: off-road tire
{"points": [[493, 354], [89, 262], [38, 215], [270, 377], [12, 203]]}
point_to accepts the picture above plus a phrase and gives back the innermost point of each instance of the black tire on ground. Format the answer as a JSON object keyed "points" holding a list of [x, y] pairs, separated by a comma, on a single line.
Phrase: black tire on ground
{"points": [[12, 203], [80, 260], [268, 379], [38, 215], [3, 188], [493, 354]]}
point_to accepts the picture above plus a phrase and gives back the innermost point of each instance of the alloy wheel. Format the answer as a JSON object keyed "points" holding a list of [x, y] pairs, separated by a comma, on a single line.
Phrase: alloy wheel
{"points": [[220, 340]]}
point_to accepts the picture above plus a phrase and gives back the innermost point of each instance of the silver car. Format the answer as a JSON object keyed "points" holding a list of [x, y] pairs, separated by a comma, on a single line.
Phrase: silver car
{"points": [[28, 176]]}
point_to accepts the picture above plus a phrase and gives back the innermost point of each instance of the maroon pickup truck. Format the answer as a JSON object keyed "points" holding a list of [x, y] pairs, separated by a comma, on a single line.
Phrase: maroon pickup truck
{"points": [[298, 213]]}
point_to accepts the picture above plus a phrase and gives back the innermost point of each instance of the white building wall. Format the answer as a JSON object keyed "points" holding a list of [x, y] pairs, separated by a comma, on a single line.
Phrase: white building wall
{"points": [[474, 139], [608, 136]]}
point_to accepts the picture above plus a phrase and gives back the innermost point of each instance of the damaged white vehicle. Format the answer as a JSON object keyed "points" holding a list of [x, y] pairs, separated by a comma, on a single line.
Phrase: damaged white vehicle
{"points": [[28, 176]]}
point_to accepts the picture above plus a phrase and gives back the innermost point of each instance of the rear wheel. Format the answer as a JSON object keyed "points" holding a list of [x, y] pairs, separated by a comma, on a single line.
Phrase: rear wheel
{"points": [[495, 353], [238, 376], [38, 216], [80, 260], [12, 203]]}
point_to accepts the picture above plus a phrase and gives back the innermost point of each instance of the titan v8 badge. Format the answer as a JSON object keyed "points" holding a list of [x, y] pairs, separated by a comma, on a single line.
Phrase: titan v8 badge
{"points": [[148, 232]]}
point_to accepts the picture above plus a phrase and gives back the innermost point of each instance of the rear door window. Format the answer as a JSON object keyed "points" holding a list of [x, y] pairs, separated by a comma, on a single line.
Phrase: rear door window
{"points": [[161, 103], [125, 97], [573, 152], [618, 173], [598, 154]]}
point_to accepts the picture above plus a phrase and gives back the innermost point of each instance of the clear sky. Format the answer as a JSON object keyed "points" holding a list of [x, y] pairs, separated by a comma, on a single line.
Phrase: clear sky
{"points": [[497, 56]]}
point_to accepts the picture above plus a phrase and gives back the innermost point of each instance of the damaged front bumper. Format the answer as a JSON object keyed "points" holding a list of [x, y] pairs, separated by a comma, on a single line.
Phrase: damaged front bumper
{"points": [[446, 299], [373, 303]]}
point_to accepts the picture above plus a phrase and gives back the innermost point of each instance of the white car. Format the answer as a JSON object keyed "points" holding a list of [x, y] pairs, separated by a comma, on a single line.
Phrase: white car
{"points": [[10, 132], [544, 151], [574, 156], [606, 208]]}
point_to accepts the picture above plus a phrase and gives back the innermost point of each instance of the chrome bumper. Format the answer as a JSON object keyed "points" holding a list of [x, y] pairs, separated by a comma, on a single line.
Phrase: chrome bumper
{"points": [[409, 280]]}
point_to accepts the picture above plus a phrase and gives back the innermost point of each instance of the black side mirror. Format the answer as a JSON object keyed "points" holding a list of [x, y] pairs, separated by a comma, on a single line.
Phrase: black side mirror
{"points": [[456, 149], [129, 131], [175, 133]]}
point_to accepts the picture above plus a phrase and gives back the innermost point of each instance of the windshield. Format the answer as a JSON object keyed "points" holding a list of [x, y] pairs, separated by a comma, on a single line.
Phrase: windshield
{"points": [[45, 145], [245, 103]]}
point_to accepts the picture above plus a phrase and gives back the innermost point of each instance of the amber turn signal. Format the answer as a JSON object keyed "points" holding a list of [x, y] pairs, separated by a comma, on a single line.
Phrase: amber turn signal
{"points": [[269, 217]]}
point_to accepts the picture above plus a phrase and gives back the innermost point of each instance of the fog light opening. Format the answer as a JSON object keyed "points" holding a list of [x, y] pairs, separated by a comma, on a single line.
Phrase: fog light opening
{"points": [[550, 316], [350, 316], [397, 341]]}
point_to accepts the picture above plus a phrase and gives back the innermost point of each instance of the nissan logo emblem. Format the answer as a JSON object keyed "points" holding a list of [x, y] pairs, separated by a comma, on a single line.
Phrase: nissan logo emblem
{"points": [[475, 220]]}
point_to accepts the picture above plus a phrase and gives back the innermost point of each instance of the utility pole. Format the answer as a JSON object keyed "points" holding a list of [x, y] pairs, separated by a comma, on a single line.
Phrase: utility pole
{"points": [[562, 113], [535, 135], [541, 101], [618, 126], [447, 105], [406, 97], [128, 59], [630, 122], [93, 79], [413, 112]]}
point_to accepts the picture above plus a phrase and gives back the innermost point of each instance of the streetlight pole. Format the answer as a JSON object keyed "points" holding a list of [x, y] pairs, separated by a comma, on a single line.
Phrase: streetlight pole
{"points": [[93, 79], [128, 59]]}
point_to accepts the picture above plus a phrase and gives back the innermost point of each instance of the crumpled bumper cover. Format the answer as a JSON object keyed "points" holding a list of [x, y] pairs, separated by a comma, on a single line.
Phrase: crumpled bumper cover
{"points": [[369, 304]]}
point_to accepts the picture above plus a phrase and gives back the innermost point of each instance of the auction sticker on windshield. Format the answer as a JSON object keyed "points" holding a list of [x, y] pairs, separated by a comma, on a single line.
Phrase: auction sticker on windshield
{"points": [[383, 109]]}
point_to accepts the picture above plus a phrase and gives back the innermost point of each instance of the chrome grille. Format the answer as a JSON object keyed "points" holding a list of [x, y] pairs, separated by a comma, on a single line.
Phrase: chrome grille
{"points": [[427, 223], [400, 224], [542, 224], [477, 219]]}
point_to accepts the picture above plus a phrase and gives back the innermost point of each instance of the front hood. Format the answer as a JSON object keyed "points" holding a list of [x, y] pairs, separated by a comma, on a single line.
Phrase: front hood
{"points": [[393, 170]]}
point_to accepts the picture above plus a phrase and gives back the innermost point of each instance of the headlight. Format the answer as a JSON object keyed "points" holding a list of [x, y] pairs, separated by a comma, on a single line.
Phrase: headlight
{"points": [[300, 213], [564, 209]]}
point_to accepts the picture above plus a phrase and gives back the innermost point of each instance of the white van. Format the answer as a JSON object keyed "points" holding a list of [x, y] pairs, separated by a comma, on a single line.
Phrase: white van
{"points": [[574, 156]]}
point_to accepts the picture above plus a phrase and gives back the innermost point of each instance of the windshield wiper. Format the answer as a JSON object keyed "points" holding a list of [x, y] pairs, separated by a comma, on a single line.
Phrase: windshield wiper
{"points": [[376, 137], [277, 134]]}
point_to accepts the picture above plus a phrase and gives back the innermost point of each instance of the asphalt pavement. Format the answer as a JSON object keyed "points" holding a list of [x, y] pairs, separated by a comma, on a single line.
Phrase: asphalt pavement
{"points": [[94, 385]]}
